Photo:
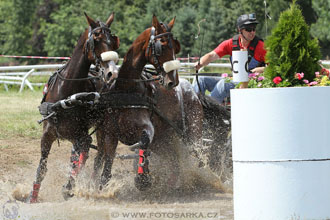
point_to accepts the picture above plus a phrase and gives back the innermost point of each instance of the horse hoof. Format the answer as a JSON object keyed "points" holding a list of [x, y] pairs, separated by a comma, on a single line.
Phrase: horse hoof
{"points": [[142, 182], [67, 193], [67, 190]]}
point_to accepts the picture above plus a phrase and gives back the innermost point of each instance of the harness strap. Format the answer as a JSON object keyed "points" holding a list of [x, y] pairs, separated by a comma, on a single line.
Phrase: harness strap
{"points": [[251, 48], [79, 79], [139, 80], [176, 128]]}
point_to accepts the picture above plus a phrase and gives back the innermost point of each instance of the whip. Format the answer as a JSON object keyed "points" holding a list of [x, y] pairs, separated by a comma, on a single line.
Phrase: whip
{"points": [[200, 51]]}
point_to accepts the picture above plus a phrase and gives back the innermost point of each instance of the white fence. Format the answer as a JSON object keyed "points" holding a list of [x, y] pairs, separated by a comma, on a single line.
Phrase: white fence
{"points": [[10, 75], [18, 75]]}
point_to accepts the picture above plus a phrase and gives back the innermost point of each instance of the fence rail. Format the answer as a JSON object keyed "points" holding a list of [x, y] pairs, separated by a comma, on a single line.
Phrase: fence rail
{"points": [[18, 75]]}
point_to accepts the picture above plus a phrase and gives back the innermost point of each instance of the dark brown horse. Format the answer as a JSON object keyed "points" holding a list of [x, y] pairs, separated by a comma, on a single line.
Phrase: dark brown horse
{"points": [[149, 115], [93, 47]]}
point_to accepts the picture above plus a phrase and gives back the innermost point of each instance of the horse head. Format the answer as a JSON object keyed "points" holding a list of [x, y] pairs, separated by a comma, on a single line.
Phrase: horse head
{"points": [[161, 52], [100, 47]]}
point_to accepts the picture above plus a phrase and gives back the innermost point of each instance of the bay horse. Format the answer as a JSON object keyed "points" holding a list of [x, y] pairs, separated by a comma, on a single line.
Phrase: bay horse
{"points": [[149, 113], [93, 47]]}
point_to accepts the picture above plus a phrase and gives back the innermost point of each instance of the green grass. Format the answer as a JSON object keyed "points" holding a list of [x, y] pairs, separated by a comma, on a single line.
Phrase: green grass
{"points": [[19, 113]]}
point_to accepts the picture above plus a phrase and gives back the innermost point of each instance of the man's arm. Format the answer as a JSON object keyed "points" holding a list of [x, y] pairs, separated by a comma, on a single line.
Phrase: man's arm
{"points": [[206, 59]]}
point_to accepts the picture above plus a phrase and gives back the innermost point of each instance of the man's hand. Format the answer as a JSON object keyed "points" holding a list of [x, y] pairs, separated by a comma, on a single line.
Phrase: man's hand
{"points": [[258, 70], [206, 59], [197, 65]]}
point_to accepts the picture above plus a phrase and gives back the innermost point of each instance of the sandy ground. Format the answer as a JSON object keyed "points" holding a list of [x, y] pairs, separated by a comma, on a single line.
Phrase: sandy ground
{"points": [[120, 200]]}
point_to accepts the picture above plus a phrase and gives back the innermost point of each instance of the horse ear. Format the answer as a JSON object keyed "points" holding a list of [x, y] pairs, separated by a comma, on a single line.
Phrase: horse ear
{"points": [[110, 19], [156, 24], [171, 24], [90, 21]]}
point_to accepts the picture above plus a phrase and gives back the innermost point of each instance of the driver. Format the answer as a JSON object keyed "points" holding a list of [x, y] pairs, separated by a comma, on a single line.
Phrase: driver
{"points": [[246, 39]]}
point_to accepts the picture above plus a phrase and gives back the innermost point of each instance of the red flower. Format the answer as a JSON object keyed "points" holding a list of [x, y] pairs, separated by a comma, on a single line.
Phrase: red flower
{"points": [[325, 71], [277, 80]]}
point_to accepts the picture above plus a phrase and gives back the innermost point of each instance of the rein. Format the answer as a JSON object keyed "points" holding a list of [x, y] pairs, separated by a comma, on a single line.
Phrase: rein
{"points": [[80, 79]]}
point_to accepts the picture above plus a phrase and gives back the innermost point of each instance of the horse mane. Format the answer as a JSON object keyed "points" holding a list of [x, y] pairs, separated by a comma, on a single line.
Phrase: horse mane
{"points": [[134, 55], [81, 41]]}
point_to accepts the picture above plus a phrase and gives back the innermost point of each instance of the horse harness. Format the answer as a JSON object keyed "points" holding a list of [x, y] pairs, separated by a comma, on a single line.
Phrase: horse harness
{"points": [[94, 72], [99, 102], [130, 99], [251, 47], [114, 99], [90, 44], [156, 48]]}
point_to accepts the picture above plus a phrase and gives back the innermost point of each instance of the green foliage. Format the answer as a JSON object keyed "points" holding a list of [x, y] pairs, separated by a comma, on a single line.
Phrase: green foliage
{"points": [[52, 27], [62, 34], [291, 50], [16, 17], [321, 28]]}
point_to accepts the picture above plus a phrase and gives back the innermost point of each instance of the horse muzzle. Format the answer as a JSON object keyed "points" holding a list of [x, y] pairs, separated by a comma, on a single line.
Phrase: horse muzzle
{"points": [[109, 60], [171, 77]]}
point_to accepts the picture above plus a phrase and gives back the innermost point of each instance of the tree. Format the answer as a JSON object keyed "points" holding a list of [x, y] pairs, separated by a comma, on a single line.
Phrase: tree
{"points": [[185, 30], [16, 20], [291, 50], [61, 35], [43, 13], [321, 28], [215, 28]]}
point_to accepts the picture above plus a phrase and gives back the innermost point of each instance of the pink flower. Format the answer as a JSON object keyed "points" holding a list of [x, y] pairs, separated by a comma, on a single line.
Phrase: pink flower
{"points": [[299, 76], [277, 80], [224, 75], [259, 84], [305, 81], [313, 83], [260, 78], [252, 75]]}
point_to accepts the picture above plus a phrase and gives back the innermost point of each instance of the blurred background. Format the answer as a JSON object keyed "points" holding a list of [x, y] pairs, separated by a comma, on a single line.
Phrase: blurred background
{"points": [[52, 27]]}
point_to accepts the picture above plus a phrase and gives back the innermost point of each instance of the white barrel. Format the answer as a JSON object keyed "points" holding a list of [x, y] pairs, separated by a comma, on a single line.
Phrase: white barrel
{"points": [[240, 66], [281, 153]]}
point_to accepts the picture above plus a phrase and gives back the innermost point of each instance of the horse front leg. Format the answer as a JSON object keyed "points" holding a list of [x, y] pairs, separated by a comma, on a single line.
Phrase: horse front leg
{"points": [[143, 178], [47, 140], [79, 156], [110, 146], [99, 158]]}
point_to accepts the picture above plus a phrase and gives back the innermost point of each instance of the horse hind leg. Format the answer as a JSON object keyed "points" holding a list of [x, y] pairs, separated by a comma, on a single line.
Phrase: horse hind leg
{"points": [[46, 142]]}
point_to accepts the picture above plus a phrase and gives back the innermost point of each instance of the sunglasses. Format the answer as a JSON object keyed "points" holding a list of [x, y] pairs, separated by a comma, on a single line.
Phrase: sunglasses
{"points": [[250, 29]]}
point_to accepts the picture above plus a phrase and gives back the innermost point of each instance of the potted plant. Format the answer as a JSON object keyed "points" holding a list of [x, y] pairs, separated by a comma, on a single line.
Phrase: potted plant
{"points": [[280, 130]]}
